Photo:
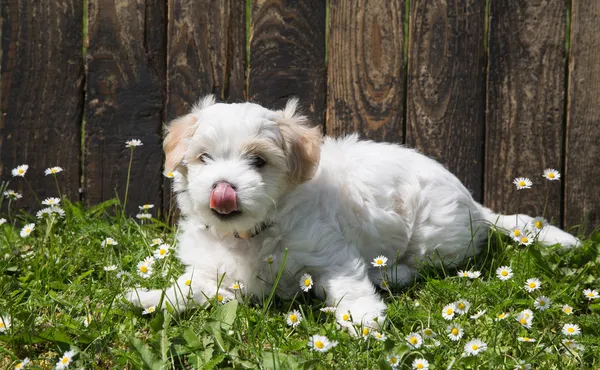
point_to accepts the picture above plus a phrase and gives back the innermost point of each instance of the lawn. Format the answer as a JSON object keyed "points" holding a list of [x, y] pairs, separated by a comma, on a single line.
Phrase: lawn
{"points": [[61, 286]]}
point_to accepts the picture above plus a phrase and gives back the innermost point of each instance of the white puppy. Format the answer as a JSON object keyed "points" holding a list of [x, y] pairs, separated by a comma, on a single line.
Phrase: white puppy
{"points": [[255, 182]]}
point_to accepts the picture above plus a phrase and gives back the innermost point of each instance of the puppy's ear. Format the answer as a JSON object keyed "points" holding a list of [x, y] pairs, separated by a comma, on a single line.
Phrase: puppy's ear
{"points": [[302, 143], [179, 130]]}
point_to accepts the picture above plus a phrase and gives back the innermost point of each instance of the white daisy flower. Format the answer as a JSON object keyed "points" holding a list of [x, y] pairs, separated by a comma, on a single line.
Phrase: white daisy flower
{"points": [[366, 331], [320, 343], [293, 318], [533, 284], [393, 361], [567, 309], [429, 333], [87, 320], [379, 336], [21, 365], [525, 319], [527, 313], [475, 347], [522, 183], [110, 268], [50, 211], [455, 332], [551, 174], [591, 294], [237, 286], [306, 282], [462, 273], [170, 175], [65, 360], [521, 365], [143, 216], [525, 339], [162, 251], [20, 170], [149, 260], [51, 201], [109, 241], [502, 316], [146, 207], [149, 310], [269, 259], [462, 306], [5, 323], [449, 311], [478, 314], [328, 309], [571, 344], [516, 232], [2, 221], [12, 195], [26, 230], [542, 303], [538, 223], [53, 170], [571, 329], [222, 299], [346, 316], [525, 239], [420, 364], [157, 241], [379, 261], [133, 143], [414, 340], [144, 269], [504, 273], [474, 274]]}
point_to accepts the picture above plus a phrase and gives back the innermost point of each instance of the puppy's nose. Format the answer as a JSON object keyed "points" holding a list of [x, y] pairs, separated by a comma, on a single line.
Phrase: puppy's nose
{"points": [[223, 198]]}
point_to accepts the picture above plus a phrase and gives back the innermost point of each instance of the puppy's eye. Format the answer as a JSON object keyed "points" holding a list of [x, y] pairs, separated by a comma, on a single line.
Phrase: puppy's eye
{"points": [[257, 162], [204, 157]]}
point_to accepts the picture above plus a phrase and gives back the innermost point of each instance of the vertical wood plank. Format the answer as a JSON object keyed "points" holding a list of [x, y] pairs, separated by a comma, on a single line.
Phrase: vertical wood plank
{"points": [[365, 82], [582, 178], [446, 86], [41, 94], [525, 104], [125, 94], [206, 55], [287, 55]]}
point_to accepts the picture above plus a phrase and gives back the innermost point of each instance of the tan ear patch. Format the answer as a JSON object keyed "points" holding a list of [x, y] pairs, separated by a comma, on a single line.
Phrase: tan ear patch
{"points": [[174, 144], [303, 148]]}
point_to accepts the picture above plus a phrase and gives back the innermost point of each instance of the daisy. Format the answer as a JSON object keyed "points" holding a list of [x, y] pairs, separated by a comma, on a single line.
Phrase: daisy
{"points": [[4, 323], [521, 365], [365, 332], [222, 299], [516, 232], [26, 230], [65, 360], [525, 339], [429, 333], [474, 274], [21, 365], [50, 211], [306, 282], [462, 306], [2, 221], [393, 360], [20, 170], [87, 320], [379, 261], [320, 343], [572, 345], [144, 269], [478, 314], [133, 143], [157, 241], [149, 310], [143, 216], [237, 286], [455, 332], [591, 294], [162, 251], [346, 317], [504, 273], [551, 174], [522, 183], [269, 259], [53, 170], [51, 201], [475, 347], [149, 260], [188, 282], [328, 309], [420, 363], [448, 311], [12, 195], [502, 316], [526, 322], [571, 329], [294, 318], [567, 309], [110, 268], [379, 336], [527, 313], [109, 241], [525, 239], [170, 175], [462, 273], [146, 207], [414, 340], [542, 303], [532, 284], [538, 223]]}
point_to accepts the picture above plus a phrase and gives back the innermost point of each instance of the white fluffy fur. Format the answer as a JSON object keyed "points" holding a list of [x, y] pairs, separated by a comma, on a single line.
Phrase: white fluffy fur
{"points": [[365, 199]]}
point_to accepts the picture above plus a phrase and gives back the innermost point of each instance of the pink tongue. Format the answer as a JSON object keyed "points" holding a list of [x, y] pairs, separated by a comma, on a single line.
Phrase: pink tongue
{"points": [[223, 198]]}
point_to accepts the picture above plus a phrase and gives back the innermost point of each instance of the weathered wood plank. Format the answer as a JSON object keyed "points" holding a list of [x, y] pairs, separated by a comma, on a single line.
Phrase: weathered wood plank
{"points": [[41, 94], [446, 86], [582, 178], [525, 104], [125, 95], [287, 54], [365, 81], [206, 55]]}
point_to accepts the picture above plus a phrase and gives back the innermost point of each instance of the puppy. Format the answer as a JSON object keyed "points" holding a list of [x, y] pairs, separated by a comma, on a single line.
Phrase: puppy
{"points": [[255, 183]]}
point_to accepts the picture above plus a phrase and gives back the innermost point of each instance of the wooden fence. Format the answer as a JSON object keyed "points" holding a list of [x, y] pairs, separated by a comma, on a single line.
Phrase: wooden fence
{"points": [[493, 89]]}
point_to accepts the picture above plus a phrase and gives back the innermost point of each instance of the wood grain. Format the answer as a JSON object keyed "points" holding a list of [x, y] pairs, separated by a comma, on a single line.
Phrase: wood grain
{"points": [[287, 55], [525, 104], [365, 81], [41, 94], [125, 97], [446, 86], [582, 177]]}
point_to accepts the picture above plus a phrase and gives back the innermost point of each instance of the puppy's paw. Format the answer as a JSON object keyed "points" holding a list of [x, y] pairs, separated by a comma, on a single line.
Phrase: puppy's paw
{"points": [[143, 298], [362, 316]]}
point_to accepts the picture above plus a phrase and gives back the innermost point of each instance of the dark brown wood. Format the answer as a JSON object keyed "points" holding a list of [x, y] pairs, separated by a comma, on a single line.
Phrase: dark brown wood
{"points": [[525, 104], [206, 55], [41, 94], [125, 97], [365, 83], [287, 55], [446, 86], [582, 178]]}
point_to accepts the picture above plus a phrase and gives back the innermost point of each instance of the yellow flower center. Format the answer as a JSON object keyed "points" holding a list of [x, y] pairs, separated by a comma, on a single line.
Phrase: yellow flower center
{"points": [[428, 332], [144, 268], [461, 306], [551, 175], [542, 302], [571, 330], [501, 316], [567, 310], [319, 344], [307, 282], [449, 311], [65, 360], [538, 224], [21, 170], [365, 331], [378, 335], [504, 273], [220, 298], [27, 230], [420, 366], [521, 183], [163, 252], [413, 340], [188, 282], [454, 331], [346, 317], [475, 347], [170, 174], [236, 286], [590, 294], [270, 259], [525, 239], [19, 365], [379, 262], [1, 325], [393, 360], [517, 232], [293, 318], [523, 321], [532, 285]]}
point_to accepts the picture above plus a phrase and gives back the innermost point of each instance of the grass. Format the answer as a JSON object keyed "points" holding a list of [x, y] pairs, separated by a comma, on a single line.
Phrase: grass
{"points": [[53, 279]]}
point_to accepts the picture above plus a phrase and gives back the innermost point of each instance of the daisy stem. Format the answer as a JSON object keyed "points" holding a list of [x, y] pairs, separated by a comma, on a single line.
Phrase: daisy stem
{"points": [[32, 192], [128, 175], [546, 203], [9, 216], [57, 187]]}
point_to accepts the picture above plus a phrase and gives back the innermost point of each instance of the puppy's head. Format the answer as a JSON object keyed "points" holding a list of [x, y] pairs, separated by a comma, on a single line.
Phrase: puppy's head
{"points": [[237, 160]]}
